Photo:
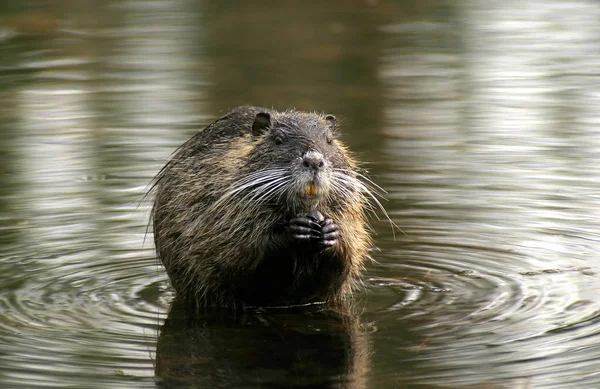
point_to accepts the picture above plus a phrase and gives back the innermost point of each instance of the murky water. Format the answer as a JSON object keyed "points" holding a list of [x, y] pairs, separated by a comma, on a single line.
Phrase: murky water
{"points": [[479, 118]]}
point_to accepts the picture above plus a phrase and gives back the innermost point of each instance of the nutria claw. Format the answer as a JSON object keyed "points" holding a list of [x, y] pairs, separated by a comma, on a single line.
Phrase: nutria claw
{"points": [[314, 227], [315, 215], [305, 228], [330, 231]]}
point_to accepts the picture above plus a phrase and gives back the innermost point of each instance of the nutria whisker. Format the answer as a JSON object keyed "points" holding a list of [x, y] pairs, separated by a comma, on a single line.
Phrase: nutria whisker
{"points": [[267, 193], [367, 182], [346, 188], [372, 185], [254, 181], [353, 182]]}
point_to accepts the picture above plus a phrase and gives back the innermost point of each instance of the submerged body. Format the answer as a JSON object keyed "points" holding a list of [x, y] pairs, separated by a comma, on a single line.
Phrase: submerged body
{"points": [[262, 208]]}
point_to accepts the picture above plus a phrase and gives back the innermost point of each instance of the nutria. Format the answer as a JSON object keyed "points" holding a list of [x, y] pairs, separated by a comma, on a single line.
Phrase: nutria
{"points": [[263, 208]]}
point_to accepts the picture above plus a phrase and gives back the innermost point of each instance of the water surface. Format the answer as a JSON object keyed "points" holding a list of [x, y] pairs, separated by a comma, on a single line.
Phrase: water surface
{"points": [[480, 120]]}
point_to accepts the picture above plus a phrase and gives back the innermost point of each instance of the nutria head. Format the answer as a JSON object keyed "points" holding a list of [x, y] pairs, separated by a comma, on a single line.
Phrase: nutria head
{"points": [[298, 164]]}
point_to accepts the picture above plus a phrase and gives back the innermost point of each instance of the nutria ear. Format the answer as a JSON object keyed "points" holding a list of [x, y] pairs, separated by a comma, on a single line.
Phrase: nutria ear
{"points": [[330, 119], [261, 123]]}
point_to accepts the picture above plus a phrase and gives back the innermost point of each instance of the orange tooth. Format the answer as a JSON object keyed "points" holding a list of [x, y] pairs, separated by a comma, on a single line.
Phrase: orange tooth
{"points": [[310, 189]]}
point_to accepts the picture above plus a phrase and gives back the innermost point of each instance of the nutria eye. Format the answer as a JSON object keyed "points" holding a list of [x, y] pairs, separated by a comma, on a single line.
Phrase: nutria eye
{"points": [[280, 138], [329, 140]]}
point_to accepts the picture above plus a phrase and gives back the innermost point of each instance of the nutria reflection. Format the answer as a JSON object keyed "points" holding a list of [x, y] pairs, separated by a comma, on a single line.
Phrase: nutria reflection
{"points": [[292, 347]]}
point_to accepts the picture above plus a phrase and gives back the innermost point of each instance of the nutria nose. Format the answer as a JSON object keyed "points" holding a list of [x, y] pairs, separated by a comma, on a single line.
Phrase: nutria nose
{"points": [[313, 159]]}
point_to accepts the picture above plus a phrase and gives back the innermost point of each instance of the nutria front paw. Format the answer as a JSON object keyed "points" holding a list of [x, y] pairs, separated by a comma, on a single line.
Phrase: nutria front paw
{"points": [[331, 232], [314, 227]]}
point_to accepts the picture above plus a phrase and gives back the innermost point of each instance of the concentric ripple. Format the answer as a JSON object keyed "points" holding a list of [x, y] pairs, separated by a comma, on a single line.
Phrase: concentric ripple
{"points": [[80, 319], [475, 313]]}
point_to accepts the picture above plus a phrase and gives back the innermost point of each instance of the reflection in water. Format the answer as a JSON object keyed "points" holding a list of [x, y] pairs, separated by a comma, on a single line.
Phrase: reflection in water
{"points": [[307, 347], [480, 119], [55, 159]]}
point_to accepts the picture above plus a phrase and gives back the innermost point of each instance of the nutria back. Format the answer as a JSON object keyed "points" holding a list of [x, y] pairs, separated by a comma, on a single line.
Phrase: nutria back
{"points": [[262, 208]]}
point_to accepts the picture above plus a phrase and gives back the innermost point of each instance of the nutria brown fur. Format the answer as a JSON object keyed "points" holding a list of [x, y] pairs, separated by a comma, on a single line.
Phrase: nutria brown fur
{"points": [[262, 208]]}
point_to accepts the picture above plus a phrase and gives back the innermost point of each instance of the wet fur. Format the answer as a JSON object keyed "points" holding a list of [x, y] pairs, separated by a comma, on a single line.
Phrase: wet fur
{"points": [[224, 240]]}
